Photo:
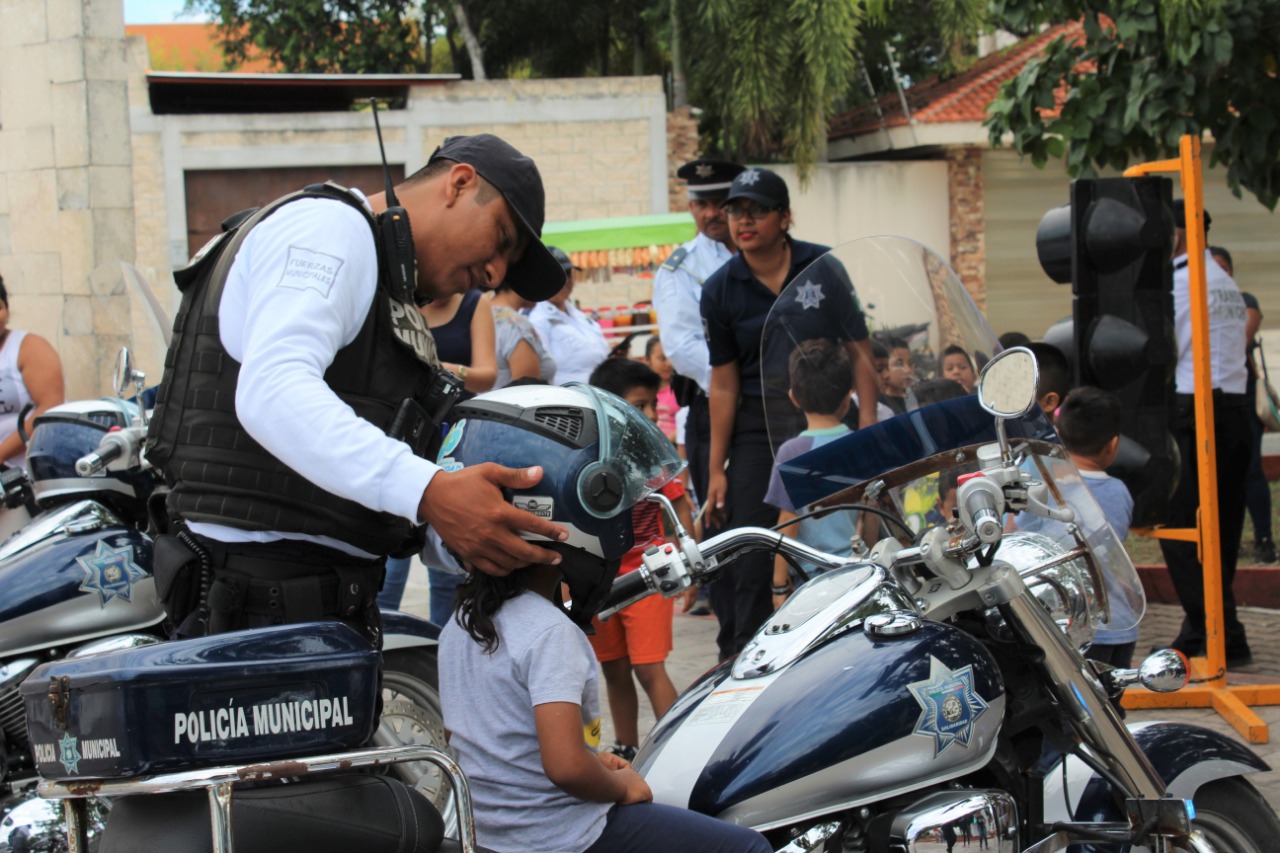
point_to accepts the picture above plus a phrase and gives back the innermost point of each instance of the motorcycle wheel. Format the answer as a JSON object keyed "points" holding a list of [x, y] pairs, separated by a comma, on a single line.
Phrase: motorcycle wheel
{"points": [[1234, 817], [412, 715]]}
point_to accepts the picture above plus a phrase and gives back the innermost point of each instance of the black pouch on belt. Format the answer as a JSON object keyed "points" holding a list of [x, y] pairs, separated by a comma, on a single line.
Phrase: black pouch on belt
{"points": [[177, 570]]}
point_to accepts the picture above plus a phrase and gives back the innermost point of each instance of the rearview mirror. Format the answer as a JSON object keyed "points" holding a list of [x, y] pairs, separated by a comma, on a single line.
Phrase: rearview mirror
{"points": [[1007, 385]]}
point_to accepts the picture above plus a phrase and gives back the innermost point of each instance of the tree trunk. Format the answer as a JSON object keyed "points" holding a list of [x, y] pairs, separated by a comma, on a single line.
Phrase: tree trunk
{"points": [[473, 43], [679, 89]]}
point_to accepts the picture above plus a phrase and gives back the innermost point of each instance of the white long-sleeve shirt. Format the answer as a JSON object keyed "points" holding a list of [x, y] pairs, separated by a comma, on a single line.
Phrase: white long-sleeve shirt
{"points": [[677, 294], [572, 338], [1227, 341], [299, 290]]}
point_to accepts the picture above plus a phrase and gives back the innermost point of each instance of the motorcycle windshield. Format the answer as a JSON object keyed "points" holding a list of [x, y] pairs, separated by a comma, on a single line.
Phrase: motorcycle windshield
{"points": [[929, 342]]}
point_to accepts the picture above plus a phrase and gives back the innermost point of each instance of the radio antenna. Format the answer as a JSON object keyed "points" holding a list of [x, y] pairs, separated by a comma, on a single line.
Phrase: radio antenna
{"points": [[392, 201]]}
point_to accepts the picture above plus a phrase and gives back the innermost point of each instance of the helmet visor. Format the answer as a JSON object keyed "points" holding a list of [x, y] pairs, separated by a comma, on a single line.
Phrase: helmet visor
{"points": [[646, 459]]}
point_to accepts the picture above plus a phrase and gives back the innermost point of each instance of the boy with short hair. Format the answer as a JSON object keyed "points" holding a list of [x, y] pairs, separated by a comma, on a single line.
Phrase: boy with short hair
{"points": [[638, 638], [1055, 377], [1088, 424], [821, 387], [899, 376]]}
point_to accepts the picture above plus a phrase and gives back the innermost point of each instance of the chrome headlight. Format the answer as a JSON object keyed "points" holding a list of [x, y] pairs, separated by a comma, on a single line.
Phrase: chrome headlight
{"points": [[1064, 586]]}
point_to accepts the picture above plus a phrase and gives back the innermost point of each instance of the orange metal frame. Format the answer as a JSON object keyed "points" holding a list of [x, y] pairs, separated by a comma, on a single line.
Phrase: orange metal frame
{"points": [[1210, 672]]}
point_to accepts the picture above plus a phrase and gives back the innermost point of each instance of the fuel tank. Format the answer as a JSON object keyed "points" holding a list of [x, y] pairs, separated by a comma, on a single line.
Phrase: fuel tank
{"points": [[855, 720], [71, 575]]}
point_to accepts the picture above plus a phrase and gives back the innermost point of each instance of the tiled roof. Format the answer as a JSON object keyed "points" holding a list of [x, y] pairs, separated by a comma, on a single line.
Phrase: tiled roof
{"points": [[190, 47], [962, 98]]}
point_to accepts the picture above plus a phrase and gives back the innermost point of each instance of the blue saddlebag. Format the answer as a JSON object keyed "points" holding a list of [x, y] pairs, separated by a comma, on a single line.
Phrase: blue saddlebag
{"points": [[234, 698]]}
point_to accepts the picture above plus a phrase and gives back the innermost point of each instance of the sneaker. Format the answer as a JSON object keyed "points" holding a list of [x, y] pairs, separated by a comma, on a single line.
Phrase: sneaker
{"points": [[1264, 552], [1239, 658], [623, 751], [700, 610]]}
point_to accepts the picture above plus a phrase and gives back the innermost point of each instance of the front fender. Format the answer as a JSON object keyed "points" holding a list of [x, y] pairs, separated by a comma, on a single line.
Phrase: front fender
{"points": [[406, 631], [1185, 756]]}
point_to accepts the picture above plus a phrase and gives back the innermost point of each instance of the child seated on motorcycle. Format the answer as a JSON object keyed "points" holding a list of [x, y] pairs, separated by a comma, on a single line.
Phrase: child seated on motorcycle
{"points": [[521, 702], [821, 387], [1088, 425], [638, 638]]}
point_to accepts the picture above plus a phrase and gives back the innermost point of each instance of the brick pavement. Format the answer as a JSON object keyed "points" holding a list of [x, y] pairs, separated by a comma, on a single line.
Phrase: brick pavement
{"points": [[695, 653]]}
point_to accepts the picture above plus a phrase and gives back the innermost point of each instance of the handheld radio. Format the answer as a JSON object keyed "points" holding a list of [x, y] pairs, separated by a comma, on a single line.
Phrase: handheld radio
{"points": [[395, 233]]}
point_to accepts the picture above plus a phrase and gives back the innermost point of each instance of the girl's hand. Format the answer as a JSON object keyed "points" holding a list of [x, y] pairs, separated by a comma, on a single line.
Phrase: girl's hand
{"points": [[612, 761], [636, 789], [688, 598], [717, 488], [779, 599]]}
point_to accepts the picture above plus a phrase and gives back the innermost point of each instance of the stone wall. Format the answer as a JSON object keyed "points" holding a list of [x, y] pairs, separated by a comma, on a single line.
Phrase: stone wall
{"points": [[968, 220], [682, 147], [66, 199]]}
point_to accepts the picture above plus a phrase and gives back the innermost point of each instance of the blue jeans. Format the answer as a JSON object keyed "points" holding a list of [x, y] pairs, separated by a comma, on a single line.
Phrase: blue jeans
{"points": [[443, 586], [645, 827], [393, 585]]}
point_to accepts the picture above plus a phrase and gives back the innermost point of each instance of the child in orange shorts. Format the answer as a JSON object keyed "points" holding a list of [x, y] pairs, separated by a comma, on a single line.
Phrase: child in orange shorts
{"points": [[638, 638]]}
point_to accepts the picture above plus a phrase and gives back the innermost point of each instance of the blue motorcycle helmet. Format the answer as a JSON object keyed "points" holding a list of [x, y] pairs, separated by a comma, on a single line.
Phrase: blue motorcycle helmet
{"points": [[600, 456]]}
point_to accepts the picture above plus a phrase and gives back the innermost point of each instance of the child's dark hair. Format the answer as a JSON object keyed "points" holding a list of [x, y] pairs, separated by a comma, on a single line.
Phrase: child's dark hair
{"points": [[878, 349], [896, 343], [620, 375], [481, 596], [956, 349], [652, 344], [1009, 340], [1055, 372], [937, 390], [821, 379], [1088, 419]]}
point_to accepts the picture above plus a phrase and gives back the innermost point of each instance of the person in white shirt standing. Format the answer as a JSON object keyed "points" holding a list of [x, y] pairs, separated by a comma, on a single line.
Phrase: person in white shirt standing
{"points": [[297, 361], [574, 340], [30, 381], [677, 293], [1227, 344]]}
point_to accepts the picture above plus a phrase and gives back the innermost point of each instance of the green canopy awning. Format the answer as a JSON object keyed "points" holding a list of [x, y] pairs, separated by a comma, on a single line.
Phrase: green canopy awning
{"points": [[623, 232]]}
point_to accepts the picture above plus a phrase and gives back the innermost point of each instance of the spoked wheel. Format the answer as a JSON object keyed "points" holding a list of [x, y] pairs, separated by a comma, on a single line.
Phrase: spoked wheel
{"points": [[411, 715], [1234, 818]]}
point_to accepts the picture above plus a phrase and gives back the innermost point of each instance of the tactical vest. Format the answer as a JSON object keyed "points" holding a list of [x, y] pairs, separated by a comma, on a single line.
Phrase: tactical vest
{"points": [[217, 472]]}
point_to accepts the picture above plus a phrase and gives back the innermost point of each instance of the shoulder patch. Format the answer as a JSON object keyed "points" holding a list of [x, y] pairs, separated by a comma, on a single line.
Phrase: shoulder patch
{"points": [[677, 258]]}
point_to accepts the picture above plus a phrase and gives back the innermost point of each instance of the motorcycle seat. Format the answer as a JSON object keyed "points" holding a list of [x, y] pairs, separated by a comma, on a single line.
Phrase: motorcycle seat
{"points": [[338, 814]]}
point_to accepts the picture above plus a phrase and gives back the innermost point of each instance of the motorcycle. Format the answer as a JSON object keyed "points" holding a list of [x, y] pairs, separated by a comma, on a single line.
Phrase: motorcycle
{"points": [[934, 680], [927, 683], [76, 581]]}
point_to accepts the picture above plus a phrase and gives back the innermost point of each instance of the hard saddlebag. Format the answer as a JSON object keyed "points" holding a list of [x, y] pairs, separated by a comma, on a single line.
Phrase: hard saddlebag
{"points": [[234, 698]]}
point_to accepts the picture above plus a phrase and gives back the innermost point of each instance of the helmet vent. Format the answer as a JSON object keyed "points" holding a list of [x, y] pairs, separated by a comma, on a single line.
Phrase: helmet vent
{"points": [[106, 419], [565, 422]]}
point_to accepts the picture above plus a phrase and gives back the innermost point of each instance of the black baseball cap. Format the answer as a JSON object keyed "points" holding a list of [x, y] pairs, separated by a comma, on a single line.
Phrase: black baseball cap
{"points": [[562, 258], [537, 275], [761, 186], [1180, 215], [708, 178]]}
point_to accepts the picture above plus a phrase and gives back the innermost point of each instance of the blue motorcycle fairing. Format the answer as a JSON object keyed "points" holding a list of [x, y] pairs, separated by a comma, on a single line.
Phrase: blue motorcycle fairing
{"points": [[1185, 756], [841, 701], [404, 630], [889, 445]]}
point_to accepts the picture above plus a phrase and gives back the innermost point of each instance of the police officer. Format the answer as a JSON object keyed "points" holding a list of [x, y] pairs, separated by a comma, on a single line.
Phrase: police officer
{"points": [[298, 377], [1231, 406], [677, 292]]}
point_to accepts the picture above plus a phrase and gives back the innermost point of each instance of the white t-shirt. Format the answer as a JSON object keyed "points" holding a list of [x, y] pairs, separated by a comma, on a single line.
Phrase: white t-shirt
{"points": [[488, 702], [13, 391], [299, 290], [1227, 340]]}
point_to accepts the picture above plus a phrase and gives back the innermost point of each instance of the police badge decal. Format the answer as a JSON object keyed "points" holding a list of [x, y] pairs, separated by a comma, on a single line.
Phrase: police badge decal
{"points": [[950, 705]]}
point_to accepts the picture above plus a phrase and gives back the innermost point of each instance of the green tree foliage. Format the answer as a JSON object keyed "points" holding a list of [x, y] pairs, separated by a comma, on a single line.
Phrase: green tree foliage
{"points": [[1146, 73], [767, 72], [353, 36]]}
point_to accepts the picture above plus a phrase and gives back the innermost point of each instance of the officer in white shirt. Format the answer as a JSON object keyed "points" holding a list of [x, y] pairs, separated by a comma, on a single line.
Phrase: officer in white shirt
{"points": [[298, 384], [1232, 440], [677, 293], [573, 339]]}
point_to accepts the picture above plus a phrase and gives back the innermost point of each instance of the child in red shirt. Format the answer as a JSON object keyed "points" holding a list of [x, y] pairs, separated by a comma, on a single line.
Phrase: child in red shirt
{"points": [[638, 638]]}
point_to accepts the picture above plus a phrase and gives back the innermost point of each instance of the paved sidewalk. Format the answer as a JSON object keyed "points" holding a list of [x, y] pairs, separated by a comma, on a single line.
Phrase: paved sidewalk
{"points": [[695, 653]]}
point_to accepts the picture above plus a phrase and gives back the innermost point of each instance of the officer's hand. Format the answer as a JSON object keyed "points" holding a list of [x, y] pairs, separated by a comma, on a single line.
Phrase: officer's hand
{"points": [[469, 512]]}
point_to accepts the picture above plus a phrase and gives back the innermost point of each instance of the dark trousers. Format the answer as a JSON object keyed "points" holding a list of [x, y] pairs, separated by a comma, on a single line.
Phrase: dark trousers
{"points": [[1232, 440], [1257, 490], [643, 827], [697, 444], [744, 602]]}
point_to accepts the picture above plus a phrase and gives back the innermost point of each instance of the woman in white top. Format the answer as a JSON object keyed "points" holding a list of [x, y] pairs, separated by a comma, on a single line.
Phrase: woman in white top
{"points": [[572, 338], [521, 354], [30, 372]]}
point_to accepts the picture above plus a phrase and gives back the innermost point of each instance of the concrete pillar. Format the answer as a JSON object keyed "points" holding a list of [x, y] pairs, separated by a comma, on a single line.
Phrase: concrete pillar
{"points": [[66, 189]]}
